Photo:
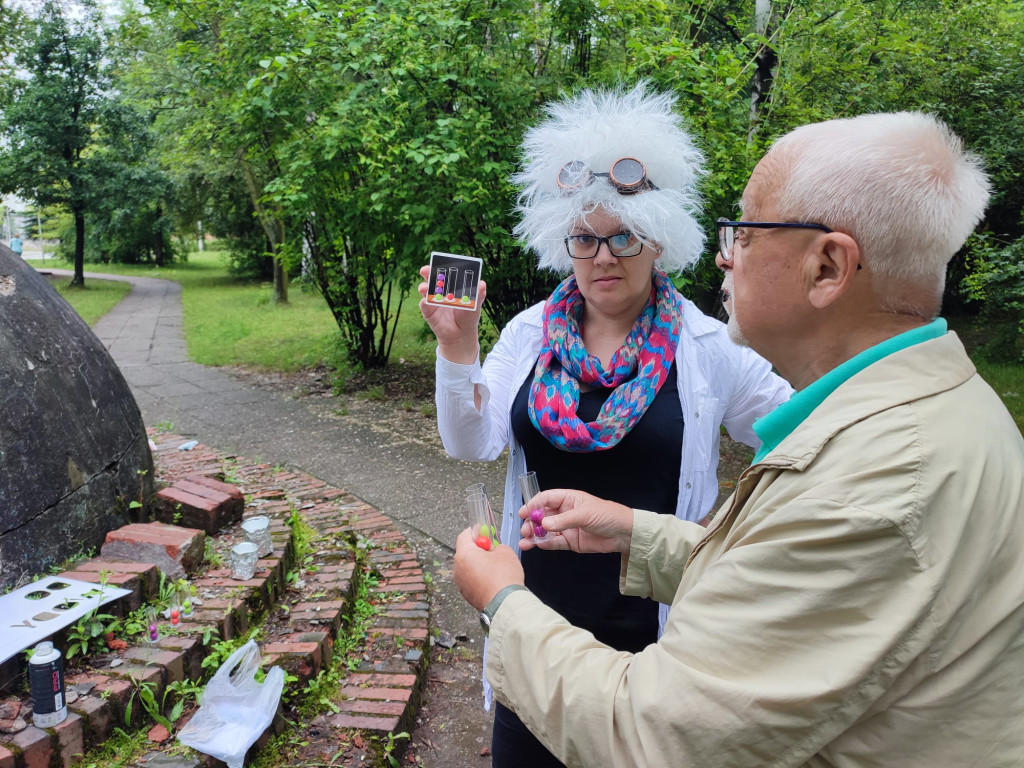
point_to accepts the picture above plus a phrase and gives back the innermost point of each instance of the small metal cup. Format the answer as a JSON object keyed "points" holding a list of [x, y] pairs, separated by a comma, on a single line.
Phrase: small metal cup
{"points": [[243, 561], [257, 531]]}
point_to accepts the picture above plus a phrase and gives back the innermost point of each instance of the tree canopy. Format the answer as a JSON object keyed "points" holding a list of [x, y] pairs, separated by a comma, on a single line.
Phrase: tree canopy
{"points": [[345, 141]]}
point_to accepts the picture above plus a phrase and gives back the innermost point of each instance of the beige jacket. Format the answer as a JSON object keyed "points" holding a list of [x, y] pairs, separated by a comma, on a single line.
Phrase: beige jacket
{"points": [[858, 602]]}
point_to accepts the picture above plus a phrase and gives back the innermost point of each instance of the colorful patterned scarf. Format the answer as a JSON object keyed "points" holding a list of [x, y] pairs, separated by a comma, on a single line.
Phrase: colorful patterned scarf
{"points": [[639, 368]]}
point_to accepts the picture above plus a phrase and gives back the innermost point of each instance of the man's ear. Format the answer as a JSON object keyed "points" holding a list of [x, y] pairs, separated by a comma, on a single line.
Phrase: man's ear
{"points": [[831, 268]]}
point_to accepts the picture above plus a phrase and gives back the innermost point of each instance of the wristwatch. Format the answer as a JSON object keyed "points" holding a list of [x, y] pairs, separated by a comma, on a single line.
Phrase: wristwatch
{"points": [[487, 614]]}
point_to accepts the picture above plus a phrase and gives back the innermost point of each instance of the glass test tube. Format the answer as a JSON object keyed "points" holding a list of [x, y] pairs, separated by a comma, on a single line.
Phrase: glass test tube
{"points": [[529, 487]]}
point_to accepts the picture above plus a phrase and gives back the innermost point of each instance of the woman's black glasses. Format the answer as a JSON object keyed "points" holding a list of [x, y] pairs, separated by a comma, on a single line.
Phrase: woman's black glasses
{"points": [[623, 245]]}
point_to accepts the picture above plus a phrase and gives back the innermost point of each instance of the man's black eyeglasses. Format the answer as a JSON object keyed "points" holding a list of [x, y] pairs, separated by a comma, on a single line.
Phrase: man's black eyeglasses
{"points": [[727, 231]]}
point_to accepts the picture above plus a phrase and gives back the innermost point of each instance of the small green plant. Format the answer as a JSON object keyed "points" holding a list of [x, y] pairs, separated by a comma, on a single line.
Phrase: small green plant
{"points": [[119, 750], [144, 693], [212, 556], [166, 592], [320, 692], [230, 471], [374, 394], [389, 746], [132, 624], [163, 427], [303, 534], [75, 559], [221, 649], [88, 634]]}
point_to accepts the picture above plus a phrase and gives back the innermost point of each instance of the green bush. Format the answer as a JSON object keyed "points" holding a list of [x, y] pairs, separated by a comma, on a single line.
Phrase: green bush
{"points": [[995, 279]]}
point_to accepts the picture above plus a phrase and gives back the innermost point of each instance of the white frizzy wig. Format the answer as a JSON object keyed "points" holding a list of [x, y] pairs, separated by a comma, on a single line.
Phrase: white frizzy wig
{"points": [[597, 128]]}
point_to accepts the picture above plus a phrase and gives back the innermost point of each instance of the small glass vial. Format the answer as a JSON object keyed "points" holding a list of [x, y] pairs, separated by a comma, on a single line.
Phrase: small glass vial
{"points": [[152, 628], [185, 600]]}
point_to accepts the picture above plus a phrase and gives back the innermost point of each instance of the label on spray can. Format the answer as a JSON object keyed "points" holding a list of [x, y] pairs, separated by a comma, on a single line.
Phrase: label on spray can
{"points": [[46, 681]]}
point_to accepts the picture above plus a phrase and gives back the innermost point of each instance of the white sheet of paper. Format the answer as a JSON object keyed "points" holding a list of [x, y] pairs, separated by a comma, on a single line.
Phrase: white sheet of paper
{"points": [[25, 620]]}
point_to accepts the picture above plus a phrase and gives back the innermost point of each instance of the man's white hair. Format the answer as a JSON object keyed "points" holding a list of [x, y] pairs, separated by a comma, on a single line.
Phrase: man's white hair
{"points": [[597, 128], [901, 184]]}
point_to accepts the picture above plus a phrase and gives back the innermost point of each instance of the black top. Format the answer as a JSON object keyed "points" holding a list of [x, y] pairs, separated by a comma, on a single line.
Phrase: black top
{"points": [[642, 472]]}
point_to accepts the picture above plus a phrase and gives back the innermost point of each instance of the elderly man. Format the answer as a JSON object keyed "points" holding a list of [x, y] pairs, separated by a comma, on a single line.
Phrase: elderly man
{"points": [[859, 601]]}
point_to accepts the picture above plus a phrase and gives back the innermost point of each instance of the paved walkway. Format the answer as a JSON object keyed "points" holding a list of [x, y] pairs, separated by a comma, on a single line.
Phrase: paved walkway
{"points": [[415, 485]]}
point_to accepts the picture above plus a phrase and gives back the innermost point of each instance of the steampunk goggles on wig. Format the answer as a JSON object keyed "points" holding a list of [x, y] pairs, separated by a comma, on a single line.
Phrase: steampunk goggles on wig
{"points": [[627, 174]]}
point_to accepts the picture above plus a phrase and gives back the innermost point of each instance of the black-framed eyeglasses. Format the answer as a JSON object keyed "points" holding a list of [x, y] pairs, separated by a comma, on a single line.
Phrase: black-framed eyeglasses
{"points": [[727, 231], [623, 245], [627, 174]]}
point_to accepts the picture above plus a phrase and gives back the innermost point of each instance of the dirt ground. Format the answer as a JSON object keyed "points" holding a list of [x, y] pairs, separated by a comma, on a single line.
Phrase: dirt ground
{"points": [[451, 730]]}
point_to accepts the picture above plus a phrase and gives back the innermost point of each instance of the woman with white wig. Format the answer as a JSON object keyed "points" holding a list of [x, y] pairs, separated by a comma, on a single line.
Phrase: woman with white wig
{"points": [[616, 384]]}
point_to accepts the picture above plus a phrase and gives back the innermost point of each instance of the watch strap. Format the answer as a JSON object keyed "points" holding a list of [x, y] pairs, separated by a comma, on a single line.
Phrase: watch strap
{"points": [[487, 615]]}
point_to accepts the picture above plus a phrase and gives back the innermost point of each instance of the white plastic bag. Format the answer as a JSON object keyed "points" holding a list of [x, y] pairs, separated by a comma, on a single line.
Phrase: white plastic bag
{"points": [[235, 709]]}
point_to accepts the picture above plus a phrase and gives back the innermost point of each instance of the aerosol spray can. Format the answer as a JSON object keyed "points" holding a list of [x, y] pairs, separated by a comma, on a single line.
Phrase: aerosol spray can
{"points": [[46, 681]]}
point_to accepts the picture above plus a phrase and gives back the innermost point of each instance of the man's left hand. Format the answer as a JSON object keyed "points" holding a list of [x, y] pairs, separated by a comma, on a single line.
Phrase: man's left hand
{"points": [[480, 574]]}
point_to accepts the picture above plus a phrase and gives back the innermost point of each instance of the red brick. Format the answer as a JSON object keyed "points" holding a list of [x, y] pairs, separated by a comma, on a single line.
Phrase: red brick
{"points": [[217, 485], [368, 707], [192, 652], [172, 661], [409, 633], [124, 580], [84, 678], [203, 491], [325, 605], [386, 586], [175, 550], [34, 745], [382, 680], [140, 674], [120, 691], [403, 579], [70, 741], [409, 606], [392, 614], [6, 757], [365, 722], [292, 648], [383, 694], [148, 573], [98, 716], [197, 506]]}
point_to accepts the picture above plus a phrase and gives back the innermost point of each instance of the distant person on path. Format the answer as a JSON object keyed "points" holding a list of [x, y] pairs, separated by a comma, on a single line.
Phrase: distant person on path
{"points": [[16, 244], [859, 600], [616, 384]]}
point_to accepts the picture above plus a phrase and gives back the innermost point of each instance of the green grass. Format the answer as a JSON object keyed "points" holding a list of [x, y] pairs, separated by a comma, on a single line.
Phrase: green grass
{"points": [[230, 321], [1007, 379], [94, 300]]}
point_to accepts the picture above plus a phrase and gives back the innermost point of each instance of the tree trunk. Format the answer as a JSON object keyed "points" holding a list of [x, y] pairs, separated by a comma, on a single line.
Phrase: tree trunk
{"points": [[79, 279], [273, 228], [280, 281], [764, 68], [158, 244]]}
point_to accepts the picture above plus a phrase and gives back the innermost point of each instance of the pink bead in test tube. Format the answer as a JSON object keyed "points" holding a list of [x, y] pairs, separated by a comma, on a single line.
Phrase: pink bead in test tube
{"points": [[530, 488]]}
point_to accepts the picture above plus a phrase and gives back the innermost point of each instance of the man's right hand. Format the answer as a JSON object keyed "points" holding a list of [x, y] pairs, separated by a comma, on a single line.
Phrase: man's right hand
{"points": [[457, 330], [579, 522]]}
